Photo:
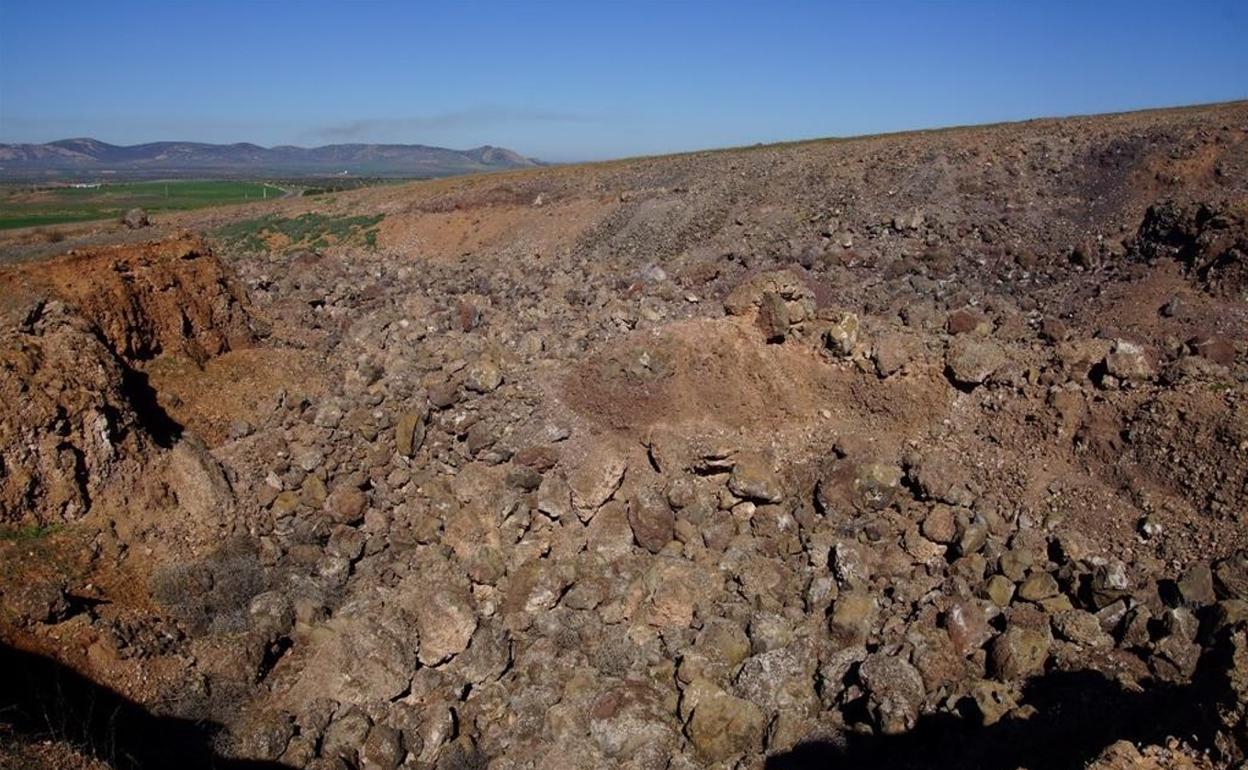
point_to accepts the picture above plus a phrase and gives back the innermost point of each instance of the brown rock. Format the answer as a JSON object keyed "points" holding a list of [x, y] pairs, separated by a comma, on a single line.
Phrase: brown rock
{"points": [[967, 625], [595, 480], [409, 432], [967, 319], [1217, 349], [970, 361], [1019, 652], [753, 478], [346, 504], [652, 520], [773, 317], [724, 727]]}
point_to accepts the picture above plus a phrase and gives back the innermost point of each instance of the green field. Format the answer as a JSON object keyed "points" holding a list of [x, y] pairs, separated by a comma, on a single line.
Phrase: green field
{"points": [[306, 231], [27, 206]]}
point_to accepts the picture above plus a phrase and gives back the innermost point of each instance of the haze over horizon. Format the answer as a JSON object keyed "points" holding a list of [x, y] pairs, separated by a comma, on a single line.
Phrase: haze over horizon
{"points": [[565, 81]]}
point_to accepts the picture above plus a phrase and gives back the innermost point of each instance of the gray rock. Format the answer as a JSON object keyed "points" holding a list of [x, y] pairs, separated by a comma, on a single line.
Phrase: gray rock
{"points": [[1128, 361], [445, 614], [595, 480], [894, 692], [483, 376], [136, 219]]}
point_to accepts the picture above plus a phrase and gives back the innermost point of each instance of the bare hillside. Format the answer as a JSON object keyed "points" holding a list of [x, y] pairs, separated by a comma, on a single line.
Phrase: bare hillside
{"points": [[922, 450]]}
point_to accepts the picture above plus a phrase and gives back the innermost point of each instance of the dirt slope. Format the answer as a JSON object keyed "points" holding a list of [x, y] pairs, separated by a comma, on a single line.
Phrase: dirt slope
{"points": [[910, 451]]}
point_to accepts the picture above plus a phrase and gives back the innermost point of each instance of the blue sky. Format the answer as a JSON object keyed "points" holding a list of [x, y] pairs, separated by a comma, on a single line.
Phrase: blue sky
{"points": [[596, 78]]}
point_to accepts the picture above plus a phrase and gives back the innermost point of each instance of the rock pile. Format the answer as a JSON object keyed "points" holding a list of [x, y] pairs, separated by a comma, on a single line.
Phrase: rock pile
{"points": [[779, 459]]}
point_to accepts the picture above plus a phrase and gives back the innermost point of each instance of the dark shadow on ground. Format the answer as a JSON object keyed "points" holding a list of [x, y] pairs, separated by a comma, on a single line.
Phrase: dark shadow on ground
{"points": [[1077, 715], [43, 699], [152, 416]]}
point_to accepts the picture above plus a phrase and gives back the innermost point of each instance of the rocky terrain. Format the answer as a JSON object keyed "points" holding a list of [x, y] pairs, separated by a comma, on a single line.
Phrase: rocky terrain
{"points": [[924, 450]]}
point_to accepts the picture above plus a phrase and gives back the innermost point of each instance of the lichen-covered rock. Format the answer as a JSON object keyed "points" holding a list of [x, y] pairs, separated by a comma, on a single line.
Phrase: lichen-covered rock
{"points": [[895, 692]]}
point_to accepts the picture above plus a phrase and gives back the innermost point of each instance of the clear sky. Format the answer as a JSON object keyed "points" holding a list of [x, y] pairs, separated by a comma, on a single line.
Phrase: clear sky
{"points": [[594, 78]]}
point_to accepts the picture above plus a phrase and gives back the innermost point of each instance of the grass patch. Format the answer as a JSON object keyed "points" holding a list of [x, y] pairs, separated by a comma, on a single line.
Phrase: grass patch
{"points": [[27, 533], [306, 231], [25, 206]]}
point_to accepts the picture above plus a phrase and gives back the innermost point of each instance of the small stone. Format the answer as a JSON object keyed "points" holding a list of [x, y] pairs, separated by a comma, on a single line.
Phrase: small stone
{"points": [[875, 486], [723, 641], [446, 617], [853, 615], [630, 721], [773, 317], [345, 735], [842, 336], [1000, 590], [1150, 527], [1174, 659], [346, 504], [1196, 586], [993, 699], [1110, 583], [894, 692], [652, 520], [1128, 361], [1213, 348], [285, 503], [1038, 587], [1231, 576], [940, 525], [972, 537], [1229, 612], [967, 625], [724, 728], [1019, 652], [135, 219], [754, 479], [967, 319], [312, 492], [970, 361], [409, 432], [443, 395], [891, 354], [1081, 627], [381, 750], [554, 496], [483, 376], [594, 482]]}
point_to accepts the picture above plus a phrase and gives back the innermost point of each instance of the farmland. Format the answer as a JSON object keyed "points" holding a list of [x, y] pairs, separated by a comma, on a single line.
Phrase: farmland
{"points": [[29, 206]]}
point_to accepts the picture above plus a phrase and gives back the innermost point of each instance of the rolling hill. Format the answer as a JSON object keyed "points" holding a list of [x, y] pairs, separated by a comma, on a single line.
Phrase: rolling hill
{"points": [[88, 157]]}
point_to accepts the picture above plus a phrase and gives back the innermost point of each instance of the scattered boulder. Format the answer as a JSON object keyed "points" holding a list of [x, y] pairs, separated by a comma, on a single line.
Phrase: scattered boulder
{"points": [[136, 219]]}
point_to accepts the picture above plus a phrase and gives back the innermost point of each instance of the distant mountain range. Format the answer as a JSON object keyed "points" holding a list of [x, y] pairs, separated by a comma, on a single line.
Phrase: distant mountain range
{"points": [[91, 158]]}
